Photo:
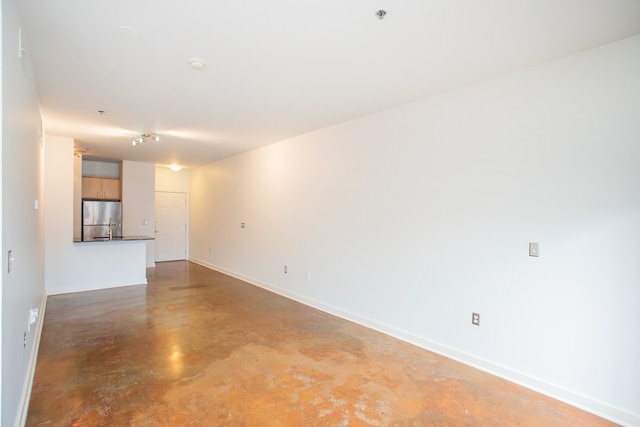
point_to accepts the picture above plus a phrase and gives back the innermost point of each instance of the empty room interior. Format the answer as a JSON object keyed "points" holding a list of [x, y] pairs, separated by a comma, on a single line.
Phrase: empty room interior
{"points": [[320, 213]]}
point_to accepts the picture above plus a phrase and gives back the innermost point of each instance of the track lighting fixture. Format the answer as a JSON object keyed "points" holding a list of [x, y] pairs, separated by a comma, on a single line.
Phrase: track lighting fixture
{"points": [[78, 152], [145, 137]]}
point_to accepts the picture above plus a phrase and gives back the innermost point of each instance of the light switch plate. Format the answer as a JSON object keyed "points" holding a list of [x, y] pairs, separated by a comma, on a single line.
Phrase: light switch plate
{"points": [[534, 249], [10, 259], [20, 44]]}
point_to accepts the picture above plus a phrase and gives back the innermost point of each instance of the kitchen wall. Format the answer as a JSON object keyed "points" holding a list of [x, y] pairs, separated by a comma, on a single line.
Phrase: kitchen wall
{"points": [[77, 197], [101, 169], [411, 219], [170, 181], [21, 222], [92, 168], [138, 206]]}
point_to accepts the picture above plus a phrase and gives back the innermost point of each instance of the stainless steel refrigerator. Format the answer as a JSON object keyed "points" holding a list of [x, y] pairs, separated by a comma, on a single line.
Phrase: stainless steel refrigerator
{"points": [[101, 219]]}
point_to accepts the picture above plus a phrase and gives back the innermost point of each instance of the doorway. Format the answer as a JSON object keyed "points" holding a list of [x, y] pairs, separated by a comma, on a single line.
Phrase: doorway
{"points": [[171, 226]]}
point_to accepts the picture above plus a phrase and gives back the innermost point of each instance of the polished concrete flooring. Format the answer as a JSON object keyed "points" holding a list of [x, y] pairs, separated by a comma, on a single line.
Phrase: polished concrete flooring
{"points": [[196, 347]]}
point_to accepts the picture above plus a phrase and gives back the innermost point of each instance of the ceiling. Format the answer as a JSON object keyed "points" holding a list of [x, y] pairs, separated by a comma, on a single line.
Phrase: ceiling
{"points": [[277, 69]]}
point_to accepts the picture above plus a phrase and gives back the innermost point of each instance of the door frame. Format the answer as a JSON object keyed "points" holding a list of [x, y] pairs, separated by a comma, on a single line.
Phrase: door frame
{"points": [[187, 215]]}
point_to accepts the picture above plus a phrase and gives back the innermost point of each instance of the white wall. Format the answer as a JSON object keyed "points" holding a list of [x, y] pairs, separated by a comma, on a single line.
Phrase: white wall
{"points": [[74, 267], [411, 219], [138, 203], [77, 197], [101, 169], [22, 224], [170, 181]]}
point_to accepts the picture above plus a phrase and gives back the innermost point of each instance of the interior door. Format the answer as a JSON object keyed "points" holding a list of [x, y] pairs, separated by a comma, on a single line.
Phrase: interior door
{"points": [[171, 226]]}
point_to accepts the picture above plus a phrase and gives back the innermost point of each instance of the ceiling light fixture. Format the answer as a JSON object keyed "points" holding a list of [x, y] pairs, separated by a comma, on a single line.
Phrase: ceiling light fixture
{"points": [[144, 137], [197, 64], [78, 152], [128, 32], [381, 14], [175, 167]]}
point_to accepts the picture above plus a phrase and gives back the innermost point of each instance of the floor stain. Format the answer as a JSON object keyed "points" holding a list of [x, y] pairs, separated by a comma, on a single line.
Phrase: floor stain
{"points": [[196, 347]]}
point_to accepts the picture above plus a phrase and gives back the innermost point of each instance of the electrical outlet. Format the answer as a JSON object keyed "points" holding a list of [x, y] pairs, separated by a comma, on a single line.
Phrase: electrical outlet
{"points": [[285, 268], [242, 225], [475, 319], [33, 315]]}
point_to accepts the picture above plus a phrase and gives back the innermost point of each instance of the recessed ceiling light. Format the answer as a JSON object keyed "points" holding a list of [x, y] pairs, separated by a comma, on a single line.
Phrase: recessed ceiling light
{"points": [[175, 167], [128, 32], [197, 64]]}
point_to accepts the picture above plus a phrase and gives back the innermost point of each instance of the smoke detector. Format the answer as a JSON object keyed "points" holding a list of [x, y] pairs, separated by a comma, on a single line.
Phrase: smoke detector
{"points": [[381, 14], [197, 64]]}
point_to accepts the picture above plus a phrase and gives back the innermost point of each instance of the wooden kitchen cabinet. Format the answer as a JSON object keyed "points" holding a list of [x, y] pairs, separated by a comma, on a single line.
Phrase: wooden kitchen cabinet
{"points": [[100, 188], [111, 189], [91, 188]]}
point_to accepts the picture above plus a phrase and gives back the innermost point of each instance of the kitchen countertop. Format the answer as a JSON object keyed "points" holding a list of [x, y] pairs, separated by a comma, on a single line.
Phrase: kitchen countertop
{"points": [[114, 239]]}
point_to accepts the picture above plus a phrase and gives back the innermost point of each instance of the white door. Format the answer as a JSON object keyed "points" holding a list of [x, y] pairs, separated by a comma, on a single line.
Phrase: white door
{"points": [[171, 226]]}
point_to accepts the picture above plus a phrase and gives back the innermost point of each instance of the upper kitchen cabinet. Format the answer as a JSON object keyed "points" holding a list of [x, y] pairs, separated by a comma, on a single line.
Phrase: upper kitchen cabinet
{"points": [[100, 188], [101, 180]]}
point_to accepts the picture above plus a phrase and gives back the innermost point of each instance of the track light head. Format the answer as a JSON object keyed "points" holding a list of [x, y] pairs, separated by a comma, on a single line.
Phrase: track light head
{"points": [[144, 137]]}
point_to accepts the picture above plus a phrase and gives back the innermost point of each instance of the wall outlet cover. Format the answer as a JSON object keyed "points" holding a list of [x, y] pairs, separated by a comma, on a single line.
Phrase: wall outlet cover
{"points": [[475, 319], [534, 249]]}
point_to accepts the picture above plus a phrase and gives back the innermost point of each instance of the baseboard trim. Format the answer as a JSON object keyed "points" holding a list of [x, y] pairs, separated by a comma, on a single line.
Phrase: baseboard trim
{"points": [[96, 287], [31, 368], [601, 409]]}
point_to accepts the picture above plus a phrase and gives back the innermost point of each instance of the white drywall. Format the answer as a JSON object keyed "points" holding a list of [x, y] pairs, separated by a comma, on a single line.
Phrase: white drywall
{"points": [[411, 219], [22, 223], [77, 197], [168, 180], [101, 169], [74, 267], [138, 203]]}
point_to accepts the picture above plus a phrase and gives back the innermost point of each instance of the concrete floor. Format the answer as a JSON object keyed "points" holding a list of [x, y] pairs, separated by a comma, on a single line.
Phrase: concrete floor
{"points": [[198, 347]]}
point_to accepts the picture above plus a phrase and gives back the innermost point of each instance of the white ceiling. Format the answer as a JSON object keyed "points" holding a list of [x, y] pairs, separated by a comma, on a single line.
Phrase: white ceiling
{"points": [[278, 69]]}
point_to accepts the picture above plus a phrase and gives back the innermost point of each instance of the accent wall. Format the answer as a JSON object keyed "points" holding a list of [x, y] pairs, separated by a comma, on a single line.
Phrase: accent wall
{"points": [[22, 221], [411, 219]]}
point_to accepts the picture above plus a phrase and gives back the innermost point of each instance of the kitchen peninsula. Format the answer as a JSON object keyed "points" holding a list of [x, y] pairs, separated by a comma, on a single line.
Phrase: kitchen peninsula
{"points": [[100, 264], [73, 265]]}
